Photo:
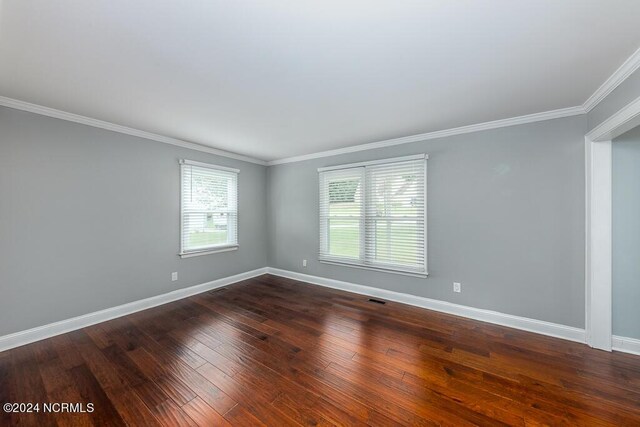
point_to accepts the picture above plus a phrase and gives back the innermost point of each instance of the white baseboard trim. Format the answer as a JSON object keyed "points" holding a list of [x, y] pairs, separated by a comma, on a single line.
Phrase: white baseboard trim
{"points": [[626, 345], [517, 322], [18, 339], [41, 332]]}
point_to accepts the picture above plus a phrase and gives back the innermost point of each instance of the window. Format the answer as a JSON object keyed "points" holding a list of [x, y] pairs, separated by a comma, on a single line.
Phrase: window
{"points": [[373, 215], [209, 208]]}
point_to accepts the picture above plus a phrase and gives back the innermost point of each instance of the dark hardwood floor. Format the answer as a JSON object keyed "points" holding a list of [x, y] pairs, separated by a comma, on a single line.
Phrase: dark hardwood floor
{"points": [[273, 351]]}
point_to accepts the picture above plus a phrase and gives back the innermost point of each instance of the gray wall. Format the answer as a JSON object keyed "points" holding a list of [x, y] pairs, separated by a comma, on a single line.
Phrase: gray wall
{"points": [[89, 219], [626, 234], [628, 91], [506, 219]]}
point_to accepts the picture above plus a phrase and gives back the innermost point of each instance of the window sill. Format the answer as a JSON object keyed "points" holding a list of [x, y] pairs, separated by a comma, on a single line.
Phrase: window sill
{"points": [[208, 251], [379, 269]]}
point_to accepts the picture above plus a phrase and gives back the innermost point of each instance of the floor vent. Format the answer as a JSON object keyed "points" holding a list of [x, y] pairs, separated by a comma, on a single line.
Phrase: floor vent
{"points": [[377, 301]]}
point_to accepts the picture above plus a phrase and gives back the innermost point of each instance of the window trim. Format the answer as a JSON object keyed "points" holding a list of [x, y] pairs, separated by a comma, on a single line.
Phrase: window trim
{"points": [[375, 162], [225, 247], [209, 251], [362, 264], [372, 268]]}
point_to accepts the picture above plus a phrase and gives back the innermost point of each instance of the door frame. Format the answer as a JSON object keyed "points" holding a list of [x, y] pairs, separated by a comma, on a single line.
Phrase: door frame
{"points": [[598, 221]]}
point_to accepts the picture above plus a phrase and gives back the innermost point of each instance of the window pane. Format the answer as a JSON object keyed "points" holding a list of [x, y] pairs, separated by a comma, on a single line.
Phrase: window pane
{"points": [[206, 192], [344, 237], [206, 229], [395, 215], [345, 197], [395, 191], [397, 242], [341, 202]]}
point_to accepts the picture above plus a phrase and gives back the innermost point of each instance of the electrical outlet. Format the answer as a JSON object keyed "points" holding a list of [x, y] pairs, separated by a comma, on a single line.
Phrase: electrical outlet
{"points": [[457, 287], [174, 276], [304, 262]]}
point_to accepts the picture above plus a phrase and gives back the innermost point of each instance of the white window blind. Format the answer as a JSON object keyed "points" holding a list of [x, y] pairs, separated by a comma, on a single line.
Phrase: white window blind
{"points": [[373, 215], [209, 208]]}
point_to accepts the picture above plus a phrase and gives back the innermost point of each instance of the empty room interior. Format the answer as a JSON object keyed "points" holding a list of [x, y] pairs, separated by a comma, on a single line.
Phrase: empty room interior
{"points": [[336, 213]]}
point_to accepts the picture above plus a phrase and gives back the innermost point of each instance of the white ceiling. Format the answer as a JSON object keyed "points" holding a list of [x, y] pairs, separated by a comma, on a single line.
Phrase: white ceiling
{"points": [[285, 78]]}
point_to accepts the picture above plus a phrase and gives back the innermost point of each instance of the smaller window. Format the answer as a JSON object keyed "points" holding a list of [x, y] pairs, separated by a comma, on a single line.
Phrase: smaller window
{"points": [[209, 208]]}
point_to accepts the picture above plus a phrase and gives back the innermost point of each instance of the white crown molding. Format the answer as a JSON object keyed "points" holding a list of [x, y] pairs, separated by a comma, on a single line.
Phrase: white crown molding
{"points": [[621, 74], [76, 118], [517, 322], [627, 345], [625, 119], [47, 331], [529, 118]]}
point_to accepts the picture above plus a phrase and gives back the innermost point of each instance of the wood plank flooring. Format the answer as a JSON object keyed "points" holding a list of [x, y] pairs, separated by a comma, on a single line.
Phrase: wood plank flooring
{"points": [[273, 351]]}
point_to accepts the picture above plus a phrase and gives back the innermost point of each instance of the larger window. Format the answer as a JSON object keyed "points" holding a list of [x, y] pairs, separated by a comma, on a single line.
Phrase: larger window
{"points": [[209, 208], [373, 214]]}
